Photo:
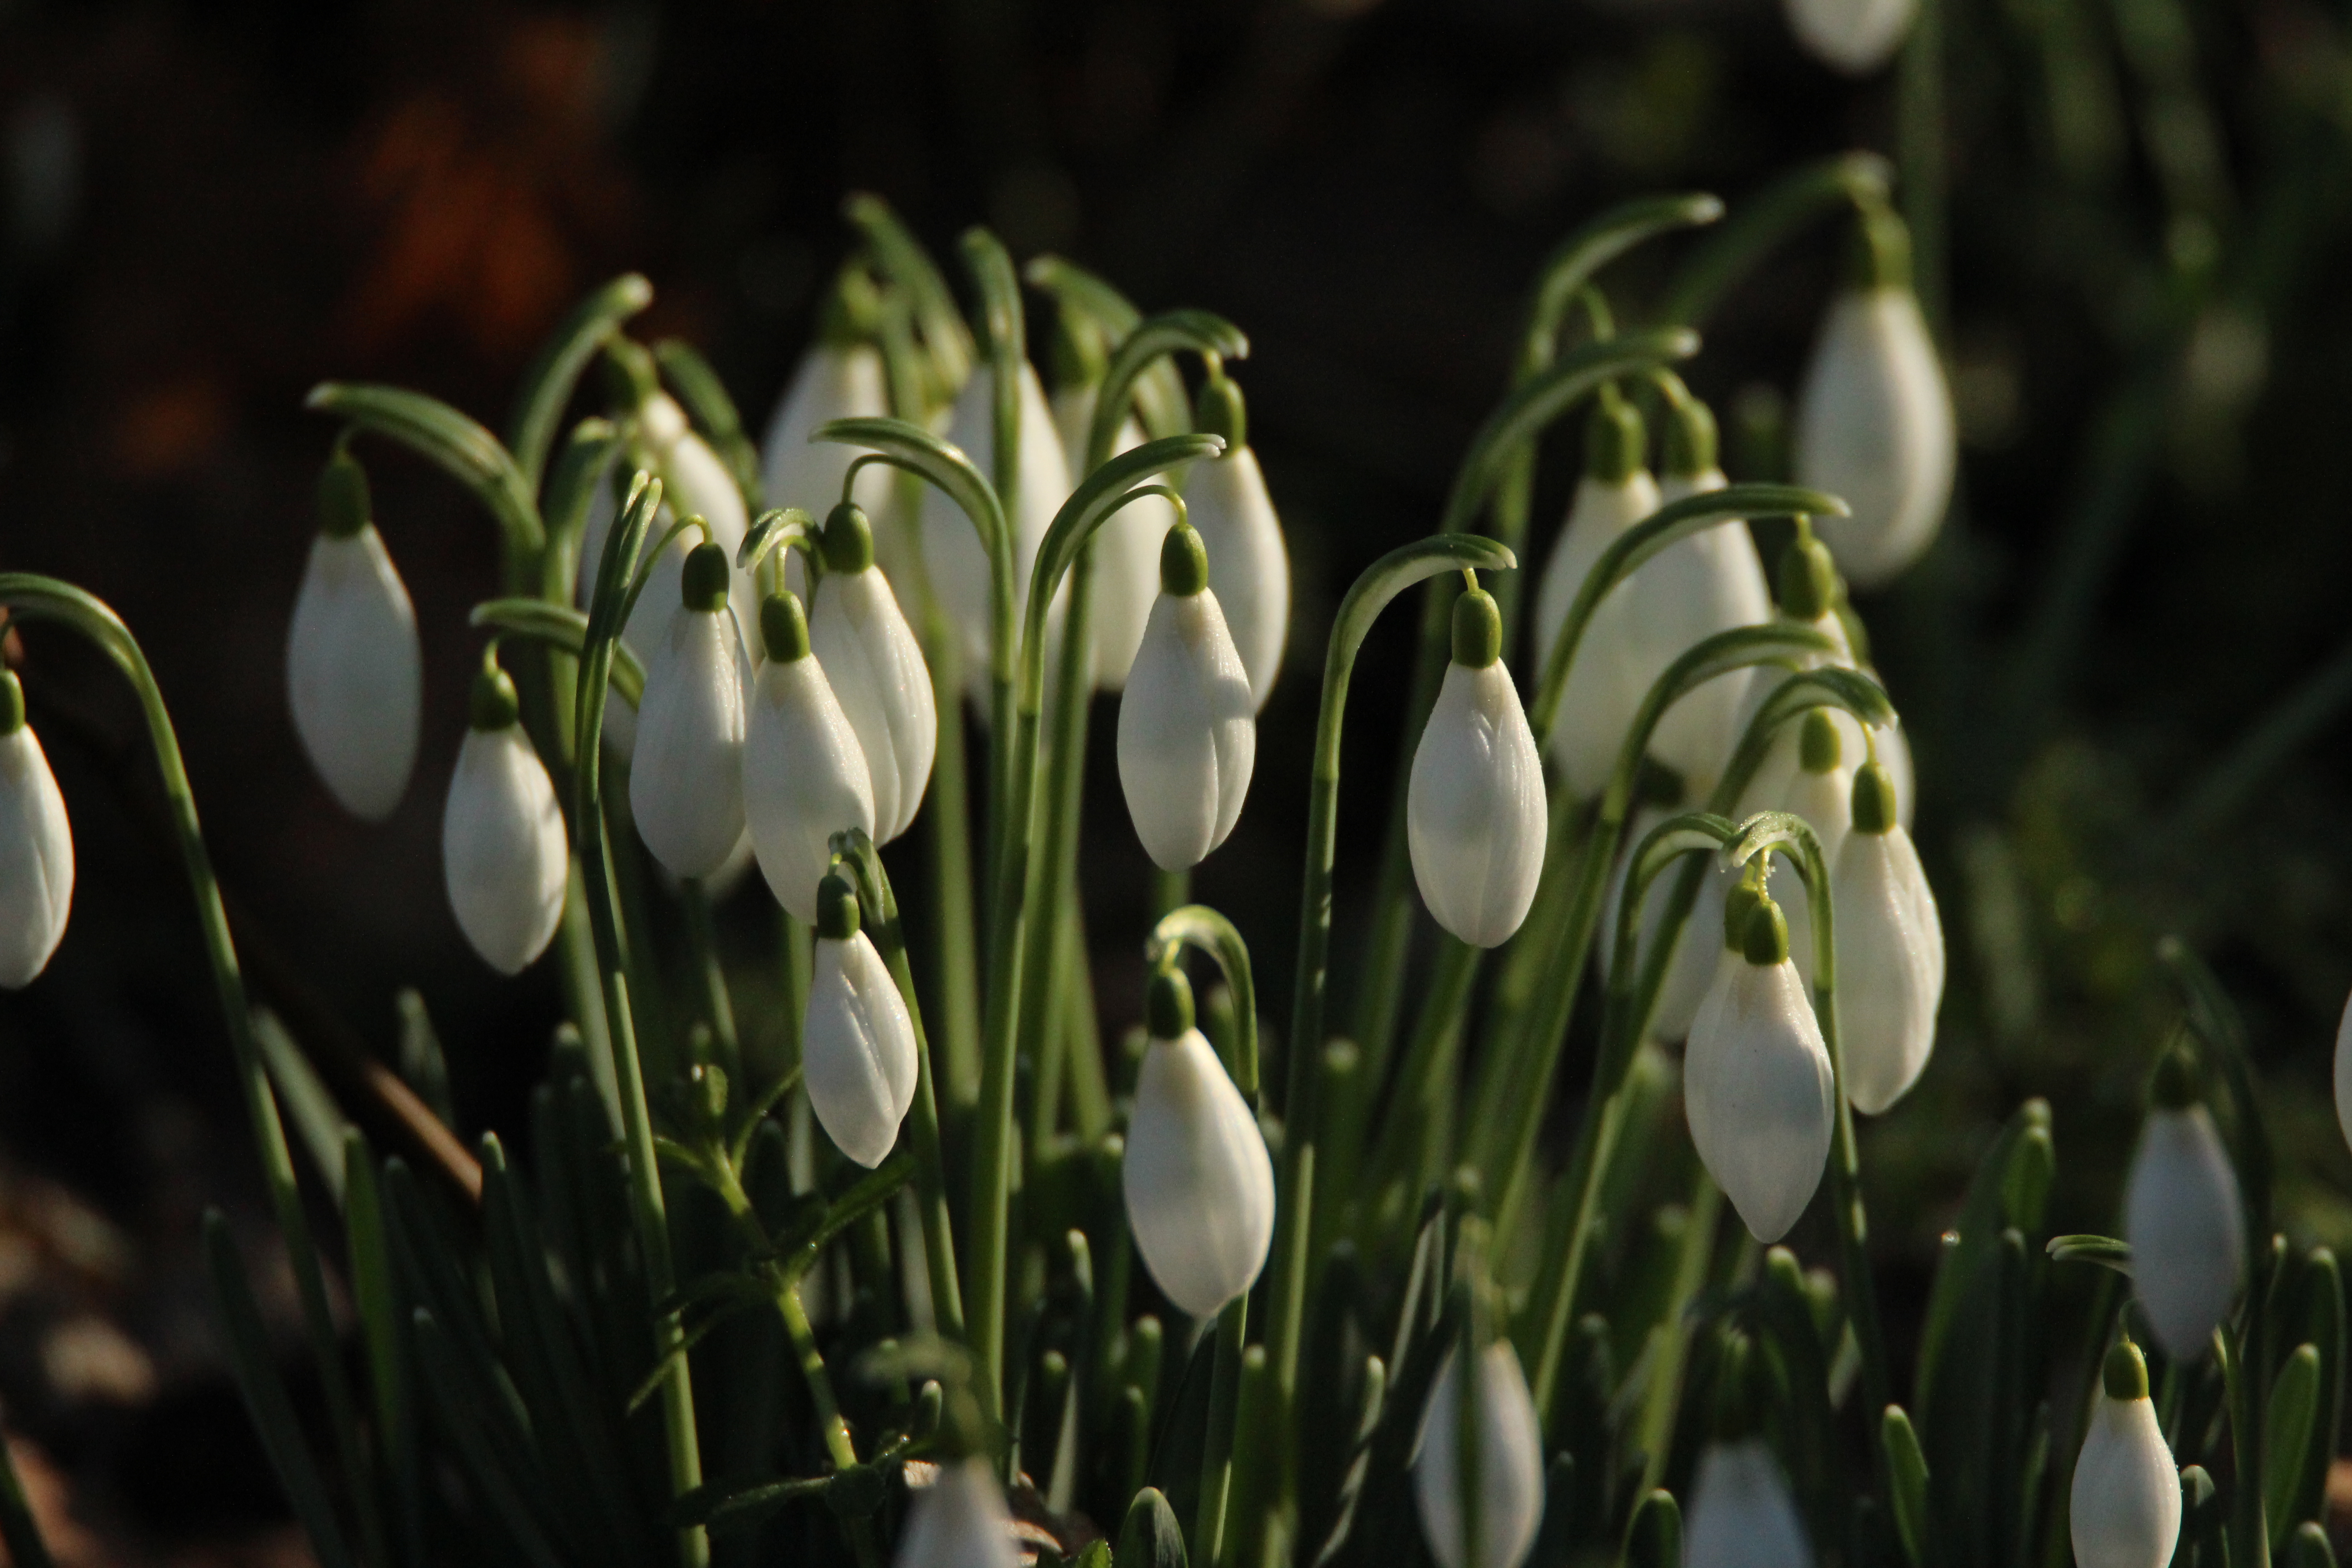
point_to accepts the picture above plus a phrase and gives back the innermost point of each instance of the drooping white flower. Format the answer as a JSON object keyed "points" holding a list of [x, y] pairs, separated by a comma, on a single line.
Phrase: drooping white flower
{"points": [[1475, 810], [1126, 548], [36, 853], [2125, 1509], [1198, 1183], [1621, 655], [686, 782], [1757, 1085], [840, 377], [1741, 1513], [1510, 1463], [876, 668], [857, 1053], [1890, 950], [353, 669], [505, 856], [1822, 792], [2344, 1073], [1187, 730], [1874, 421], [1249, 565], [958, 1521], [2182, 1215], [1855, 36], [804, 772], [951, 551]]}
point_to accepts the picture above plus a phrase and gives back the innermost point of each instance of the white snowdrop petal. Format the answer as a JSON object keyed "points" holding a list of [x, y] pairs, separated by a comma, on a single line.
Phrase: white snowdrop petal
{"points": [[2124, 1508], [958, 1521], [2344, 1073], [1474, 809], [1741, 1513], [832, 382], [1510, 1463], [354, 672], [1825, 801], [876, 669], [1198, 1183], [1616, 660], [1711, 581], [1187, 731], [1855, 36], [1889, 981], [1249, 565], [686, 780], [1874, 427], [505, 855], [1692, 969], [858, 1049], [952, 552], [804, 780], [2186, 1228], [37, 860], [1757, 1089], [1126, 548]]}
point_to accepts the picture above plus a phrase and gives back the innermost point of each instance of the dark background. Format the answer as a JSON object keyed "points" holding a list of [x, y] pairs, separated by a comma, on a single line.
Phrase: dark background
{"points": [[212, 206]]}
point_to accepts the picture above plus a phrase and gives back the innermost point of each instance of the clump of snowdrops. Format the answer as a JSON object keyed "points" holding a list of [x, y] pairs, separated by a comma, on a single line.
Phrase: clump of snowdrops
{"points": [[931, 1266]]}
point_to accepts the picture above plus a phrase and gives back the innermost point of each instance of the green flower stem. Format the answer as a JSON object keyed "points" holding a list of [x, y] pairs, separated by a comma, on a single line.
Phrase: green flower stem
{"points": [[1416, 1117], [1090, 1107], [460, 448], [718, 1009], [882, 924], [1199, 927], [1919, 138], [555, 371], [1764, 221], [31, 597], [1217, 1442], [1670, 1340], [1295, 1202], [946, 341], [1160, 400], [647, 1208]]}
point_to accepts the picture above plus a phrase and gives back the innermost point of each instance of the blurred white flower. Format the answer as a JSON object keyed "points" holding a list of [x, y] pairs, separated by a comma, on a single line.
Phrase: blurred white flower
{"points": [[952, 551], [505, 855], [2182, 1215], [1854, 36], [958, 1521], [876, 668], [353, 668], [1742, 1514], [686, 781], [1890, 950], [1126, 548], [2124, 1510], [1249, 565], [1511, 1462], [36, 853]]}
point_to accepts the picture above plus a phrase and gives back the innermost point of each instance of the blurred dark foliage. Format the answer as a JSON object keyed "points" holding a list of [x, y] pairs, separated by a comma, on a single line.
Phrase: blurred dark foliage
{"points": [[212, 206]]}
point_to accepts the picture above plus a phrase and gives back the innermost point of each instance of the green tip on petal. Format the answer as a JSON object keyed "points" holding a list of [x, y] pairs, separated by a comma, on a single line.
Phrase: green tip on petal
{"points": [[1874, 800], [1477, 630], [1765, 939], [853, 308], [837, 907], [1691, 442], [344, 507], [702, 585], [491, 704], [2125, 1372], [784, 628], [1737, 905], [2178, 1084], [1220, 410], [848, 540], [630, 379], [1184, 561], [1881, 253], [1818, 747], [1167, 1006], [12, 702], [1616, 443], [1808, 578], [1079, 357]]}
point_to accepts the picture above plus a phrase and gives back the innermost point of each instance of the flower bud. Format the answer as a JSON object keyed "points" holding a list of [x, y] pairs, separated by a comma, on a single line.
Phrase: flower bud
{"points": [[353, 669], [1741, 1513], [804, 772], [2182, 1215], [952, 550], [1199, 1184], [1510, 1463], [1124, 550], [840, 377], [1475, 810], [1757, 1085], [1854, 36], [1875, 420], [2125, 1509], [876, 668], [857, 1051], [1711, 581], [1187, 728], [1249, 565], [1890, 950], [958, 1521], [37, 854], [505, 856], [685, 782]]}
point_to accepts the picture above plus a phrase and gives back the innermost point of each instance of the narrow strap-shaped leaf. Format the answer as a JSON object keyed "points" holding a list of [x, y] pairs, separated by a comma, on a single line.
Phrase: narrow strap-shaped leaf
{"points": [[1653, 1536], [1150, 1537], [1359, 1461], [705, 395], [435, 1274], [457, 445], [265, 1397], [2103, 1250], [559, 626], [464, 1418], [2320, 1321], [372, 1283], [1582, 255], [732, 1505], [317, 1118], [945, 339], [872, 1190], [556, 369], [1907, 1466], [1764, 219], [585, 462], [2293, 1415]]}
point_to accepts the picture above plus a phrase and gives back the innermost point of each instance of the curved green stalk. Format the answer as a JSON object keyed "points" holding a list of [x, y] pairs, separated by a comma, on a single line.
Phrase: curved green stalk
{"points": [[560, 627], [714, 412], [1583, 254], [647, 1208], [28, 597], [1159, 398], [1201, 927], [555, 370], [1294, 1209], [947, 342], [1767, 219], [1211, 337], [459, 446]]}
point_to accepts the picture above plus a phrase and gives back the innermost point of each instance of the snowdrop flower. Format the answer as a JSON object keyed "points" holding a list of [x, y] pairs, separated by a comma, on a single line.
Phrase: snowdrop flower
{"points": [[958, 1521], [876, 669], [1741, 1514], [2344, 1073], [504, 853], [1187, 731], [2126, 1505], [1757, 1085], [1621, 656], [804, 772], [1126, 549], [2182, 1215], [686, 783], [36, 855], [352, 666], [1249, 565], [952, 550], [1855, 36], [1198, 1183], [1890, 950], [1875, 418], [858, 1051], [1474, 813], [840, 377], [1822, 792], [1510, 1463]]}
